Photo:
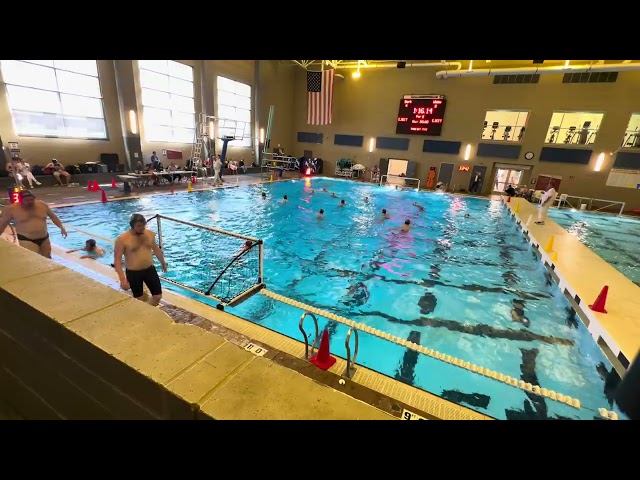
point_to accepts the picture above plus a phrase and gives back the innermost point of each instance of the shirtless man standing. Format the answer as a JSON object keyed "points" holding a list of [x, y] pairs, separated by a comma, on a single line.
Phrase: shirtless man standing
{"points": [[137, 245], [30, 218]]}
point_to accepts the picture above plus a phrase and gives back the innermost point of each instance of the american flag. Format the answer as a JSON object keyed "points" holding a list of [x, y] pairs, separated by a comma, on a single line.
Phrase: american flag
{"points": [[320, 97]]}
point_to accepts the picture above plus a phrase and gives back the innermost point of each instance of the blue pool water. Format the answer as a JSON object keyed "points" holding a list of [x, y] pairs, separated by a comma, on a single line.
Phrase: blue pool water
{"points": [[615, 239], [448, 284]]}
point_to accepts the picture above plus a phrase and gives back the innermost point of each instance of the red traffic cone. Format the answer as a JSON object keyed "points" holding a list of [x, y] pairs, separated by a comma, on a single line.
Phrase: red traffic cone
{"points": [[509, 199], [598, 305], [323, 360], [171, 190], [104, 197], [113, 183], [89, 186], [96, 187]]}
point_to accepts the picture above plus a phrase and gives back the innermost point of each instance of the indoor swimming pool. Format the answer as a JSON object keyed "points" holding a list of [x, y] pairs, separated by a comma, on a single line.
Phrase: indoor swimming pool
{"points": [[463, 281], [615, 239]]}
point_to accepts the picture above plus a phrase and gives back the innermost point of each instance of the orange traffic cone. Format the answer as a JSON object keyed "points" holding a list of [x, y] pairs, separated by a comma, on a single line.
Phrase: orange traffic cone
{"points": [[323, 360], [598, 305], [113, 183], [104, 197], [96, 187]]}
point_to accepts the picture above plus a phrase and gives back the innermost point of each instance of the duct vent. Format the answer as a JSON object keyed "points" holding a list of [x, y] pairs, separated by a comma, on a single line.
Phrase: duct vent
{"points": [[516, 79], [590, 77]]}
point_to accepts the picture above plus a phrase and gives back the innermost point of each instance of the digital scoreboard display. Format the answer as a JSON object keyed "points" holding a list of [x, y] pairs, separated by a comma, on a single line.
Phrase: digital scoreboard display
{"points": [[421, 115]]}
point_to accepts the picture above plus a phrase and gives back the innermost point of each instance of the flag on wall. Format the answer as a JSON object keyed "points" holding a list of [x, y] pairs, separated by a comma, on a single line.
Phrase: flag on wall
{"points": [[320, 97]]}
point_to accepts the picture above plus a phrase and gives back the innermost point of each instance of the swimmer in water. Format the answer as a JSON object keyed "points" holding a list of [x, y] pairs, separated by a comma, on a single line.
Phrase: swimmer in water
{"points": [[517, 312], [407, 226], [359, 294], [92, 250], [320, 215], [333, 194], [247, 245], [324, 189], [420, 207], [264, 195], [342, 203], [366, 199], [285, 199], [385, 215], [466, 215]]}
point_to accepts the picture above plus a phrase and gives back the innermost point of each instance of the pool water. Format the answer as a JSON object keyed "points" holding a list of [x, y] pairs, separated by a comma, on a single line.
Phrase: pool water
{"points": [[615, 239], [448, 284]]}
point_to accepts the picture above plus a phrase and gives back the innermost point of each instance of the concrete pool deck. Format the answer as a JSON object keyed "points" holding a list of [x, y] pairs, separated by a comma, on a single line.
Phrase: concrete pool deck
{"points": [[581, 274]]}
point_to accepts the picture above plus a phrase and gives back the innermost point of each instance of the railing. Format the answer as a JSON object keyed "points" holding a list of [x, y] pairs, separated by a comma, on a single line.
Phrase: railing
{"points": [[400, 181], [590, 203]]}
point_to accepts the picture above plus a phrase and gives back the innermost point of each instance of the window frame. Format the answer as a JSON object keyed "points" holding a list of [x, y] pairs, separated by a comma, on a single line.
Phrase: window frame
{"points": [[59, 95], [561, 129], [627, 133], [247, 135], [501, 140]]}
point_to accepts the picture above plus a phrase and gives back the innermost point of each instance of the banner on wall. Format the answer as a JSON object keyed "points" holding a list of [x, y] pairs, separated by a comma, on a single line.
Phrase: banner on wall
{"points": [[624, 178]]}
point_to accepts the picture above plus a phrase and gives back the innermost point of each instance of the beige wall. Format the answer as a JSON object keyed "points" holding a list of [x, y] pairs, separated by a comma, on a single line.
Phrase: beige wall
{"points": [[277, 87], [369, 106]]}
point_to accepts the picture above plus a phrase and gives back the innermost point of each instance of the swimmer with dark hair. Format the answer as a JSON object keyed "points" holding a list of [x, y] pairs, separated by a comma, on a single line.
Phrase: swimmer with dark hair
{"points": [[342, 203], [407, 226], [385, 215], [366, 199], [333, 194], [264, 195], [285, 199], [420, 207], [92, 250], [466, 215], [324, 189], [517, 312], [320, 215]]}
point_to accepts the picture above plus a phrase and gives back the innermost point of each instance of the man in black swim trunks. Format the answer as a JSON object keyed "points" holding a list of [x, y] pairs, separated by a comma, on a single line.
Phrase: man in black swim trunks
{"points": [[138, 246], [30, 218]]}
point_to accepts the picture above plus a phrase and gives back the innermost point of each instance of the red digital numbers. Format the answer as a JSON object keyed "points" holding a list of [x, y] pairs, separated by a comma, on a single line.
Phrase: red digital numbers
{"points": [[421, 116]]}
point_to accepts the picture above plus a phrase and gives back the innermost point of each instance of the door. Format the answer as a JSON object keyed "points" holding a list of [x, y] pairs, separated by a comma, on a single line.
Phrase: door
{"points": [[446, 172], [543, 182], [411, 169], [482, 172], [505, 177]]}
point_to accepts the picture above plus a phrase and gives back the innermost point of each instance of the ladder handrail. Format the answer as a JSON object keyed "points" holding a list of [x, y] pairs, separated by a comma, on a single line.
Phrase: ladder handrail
{"points": [[306, 337], [351, 362]]}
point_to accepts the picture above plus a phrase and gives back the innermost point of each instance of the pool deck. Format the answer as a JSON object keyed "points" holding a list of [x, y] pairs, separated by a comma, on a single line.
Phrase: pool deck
{"points": [[581, 274]]}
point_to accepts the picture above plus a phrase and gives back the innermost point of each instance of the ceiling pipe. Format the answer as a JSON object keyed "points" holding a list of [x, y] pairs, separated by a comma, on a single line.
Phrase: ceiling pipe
{"points": [[366, 66], [617, 67]]}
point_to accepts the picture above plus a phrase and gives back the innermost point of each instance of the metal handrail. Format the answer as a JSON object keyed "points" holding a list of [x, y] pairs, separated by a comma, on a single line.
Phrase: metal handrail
{"points": [[306, 337], [348, 372]]}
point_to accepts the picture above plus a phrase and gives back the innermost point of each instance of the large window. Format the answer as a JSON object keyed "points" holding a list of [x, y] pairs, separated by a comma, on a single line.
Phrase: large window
{"points": [[234, 111], [168, 101], [505, 125], [632, 135], [55, 98], [574, 128]]}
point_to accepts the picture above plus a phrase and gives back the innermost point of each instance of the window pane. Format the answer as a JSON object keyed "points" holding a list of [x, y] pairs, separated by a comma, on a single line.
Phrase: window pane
{"points": [[78, 84], [157, 116], [243, 90], [160, 66], [181, 87], [243, 115], [157, 133], [182, 104], [180, 70], [226, 98], [47, 63], [228, 132], [153, 98], [247, 142], [183, 119], [41, 124], [226, 85], [28, 74], [30, 99], [227, 112], [227, 123], [74, 105], [243, 102], [79, 127], [183, 135], [154, 80], [88, 67]]}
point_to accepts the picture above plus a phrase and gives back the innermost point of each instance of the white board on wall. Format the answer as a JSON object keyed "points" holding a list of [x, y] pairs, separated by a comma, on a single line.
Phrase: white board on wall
{"points": [[624, 179]]}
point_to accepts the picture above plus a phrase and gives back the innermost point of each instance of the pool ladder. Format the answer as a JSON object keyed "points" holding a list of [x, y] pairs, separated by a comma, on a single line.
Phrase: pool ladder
{"points": [[350, 370]]}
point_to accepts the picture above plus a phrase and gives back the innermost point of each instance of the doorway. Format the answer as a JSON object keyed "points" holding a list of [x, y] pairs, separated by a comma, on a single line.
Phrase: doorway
{"points": [[482, 172], [505, 177], [446, 172]]}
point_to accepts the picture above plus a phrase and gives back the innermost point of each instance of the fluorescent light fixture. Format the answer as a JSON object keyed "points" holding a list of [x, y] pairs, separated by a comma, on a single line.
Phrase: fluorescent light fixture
{"points": [[262, 135], [467, 152], [211, 131], [133, 122], [599, 162], [371, 140]]}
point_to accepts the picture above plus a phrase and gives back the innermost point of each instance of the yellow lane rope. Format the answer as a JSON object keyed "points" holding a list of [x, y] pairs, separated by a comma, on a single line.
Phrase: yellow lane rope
{"points": [[536, 389]]}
